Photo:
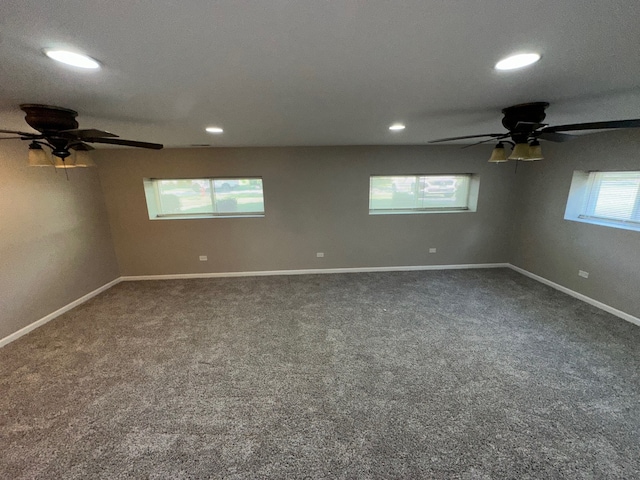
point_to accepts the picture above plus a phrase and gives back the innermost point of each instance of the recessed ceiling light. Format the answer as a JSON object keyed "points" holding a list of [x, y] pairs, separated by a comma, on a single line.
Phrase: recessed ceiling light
{"points": [[214, 130], [396, 127], [73, 59], [517, 61]]}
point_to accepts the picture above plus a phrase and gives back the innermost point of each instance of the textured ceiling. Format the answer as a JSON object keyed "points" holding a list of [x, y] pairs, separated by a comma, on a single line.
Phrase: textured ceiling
{"points": [[318, 72]]}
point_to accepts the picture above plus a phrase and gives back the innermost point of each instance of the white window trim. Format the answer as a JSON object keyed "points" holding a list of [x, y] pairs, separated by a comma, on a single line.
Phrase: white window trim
{"points": [[154, 201], [581, 185], [472, 199]]}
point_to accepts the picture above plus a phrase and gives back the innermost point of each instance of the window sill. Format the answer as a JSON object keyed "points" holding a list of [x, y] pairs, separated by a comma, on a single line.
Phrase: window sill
{"points": [[200, 217], [417, 212], [604, 223]]}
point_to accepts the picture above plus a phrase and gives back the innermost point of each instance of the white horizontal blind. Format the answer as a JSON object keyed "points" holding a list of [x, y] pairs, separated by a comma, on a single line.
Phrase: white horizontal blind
{"points": [[418, 193], [613, 196], [209, 197]]}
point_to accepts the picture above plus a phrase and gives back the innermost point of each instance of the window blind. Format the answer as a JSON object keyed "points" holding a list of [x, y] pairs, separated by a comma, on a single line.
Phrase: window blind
{"points": [[613, 196]]}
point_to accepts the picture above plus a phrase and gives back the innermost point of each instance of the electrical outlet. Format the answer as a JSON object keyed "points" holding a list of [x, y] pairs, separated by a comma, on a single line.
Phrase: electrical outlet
{"points": [[320, 254], [583, 274], [432, 250], [203, 258]]}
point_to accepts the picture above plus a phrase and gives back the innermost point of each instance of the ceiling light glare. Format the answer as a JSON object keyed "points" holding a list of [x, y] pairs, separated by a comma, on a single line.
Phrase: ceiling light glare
{"points": [[517, 61], [214, 130], [396, 127], [73, 59]]}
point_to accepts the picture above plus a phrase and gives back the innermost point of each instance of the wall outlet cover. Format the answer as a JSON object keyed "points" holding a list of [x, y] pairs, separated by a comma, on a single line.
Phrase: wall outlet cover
{"points": [[203, 258]]}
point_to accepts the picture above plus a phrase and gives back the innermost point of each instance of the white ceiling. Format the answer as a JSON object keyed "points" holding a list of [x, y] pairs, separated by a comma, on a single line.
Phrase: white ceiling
{"points": [[318, 72]]}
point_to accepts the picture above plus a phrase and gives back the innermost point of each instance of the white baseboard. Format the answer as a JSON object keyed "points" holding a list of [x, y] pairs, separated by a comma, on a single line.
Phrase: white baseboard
{"points": [[607, 308], [579, 296], [57, 313], [312, 271]]}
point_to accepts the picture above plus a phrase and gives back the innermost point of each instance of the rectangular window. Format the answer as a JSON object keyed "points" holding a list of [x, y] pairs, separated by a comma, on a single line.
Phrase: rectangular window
{"points": [[204, 197], [605, 198], [420, 194]]}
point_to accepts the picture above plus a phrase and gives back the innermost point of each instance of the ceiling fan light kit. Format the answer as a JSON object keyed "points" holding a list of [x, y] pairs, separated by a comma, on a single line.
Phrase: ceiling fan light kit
{"points": [[535, 151], [499, 155], [524, 152], [68, 145], [38, 157], [83, 158], [520, 152], [525, 128], [63, 163]]}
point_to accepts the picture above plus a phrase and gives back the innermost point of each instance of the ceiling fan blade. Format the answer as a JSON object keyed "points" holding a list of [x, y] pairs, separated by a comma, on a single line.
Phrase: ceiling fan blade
{"points": [[528, 126], [22, 134], [81, 147], [632, 123], [555, 137], [485, 141], [86, 133], [494, 135], [11, 138], [128, 143]]}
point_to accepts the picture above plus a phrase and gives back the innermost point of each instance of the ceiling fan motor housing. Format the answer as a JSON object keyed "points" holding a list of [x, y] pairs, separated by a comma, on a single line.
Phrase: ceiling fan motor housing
{"points": [[46, 118], [522, 120]]}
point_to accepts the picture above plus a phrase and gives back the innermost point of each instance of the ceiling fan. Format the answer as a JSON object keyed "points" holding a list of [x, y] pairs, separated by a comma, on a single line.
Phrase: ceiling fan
{"points": [[59, 131], [525, 127]]}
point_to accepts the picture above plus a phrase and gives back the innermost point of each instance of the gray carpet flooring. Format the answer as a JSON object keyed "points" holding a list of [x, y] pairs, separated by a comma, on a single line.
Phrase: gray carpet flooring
{"points": [[444, 374]]}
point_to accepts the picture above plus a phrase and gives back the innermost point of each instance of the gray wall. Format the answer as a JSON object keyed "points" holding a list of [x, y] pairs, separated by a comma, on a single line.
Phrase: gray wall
{"points": [[55, 244], [316, 201], [554, 248]]}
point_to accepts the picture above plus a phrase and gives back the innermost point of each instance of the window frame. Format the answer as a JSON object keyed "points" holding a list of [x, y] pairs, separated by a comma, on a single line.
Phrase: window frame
{"points": [[581, 203], [473, 183], [154, 200]]}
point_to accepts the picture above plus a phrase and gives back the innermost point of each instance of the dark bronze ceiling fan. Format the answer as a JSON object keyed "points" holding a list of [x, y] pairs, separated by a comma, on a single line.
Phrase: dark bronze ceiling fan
{"points": [[59, 131], [525, 127]]}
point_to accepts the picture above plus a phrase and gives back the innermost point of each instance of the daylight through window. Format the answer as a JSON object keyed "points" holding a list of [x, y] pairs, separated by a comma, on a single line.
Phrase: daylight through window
{"points": [[613, 197], [204, 197], [419, 194]]}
